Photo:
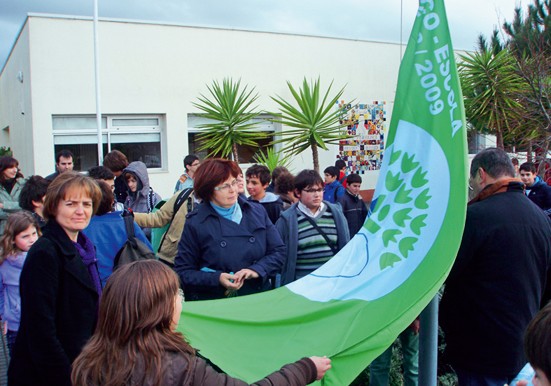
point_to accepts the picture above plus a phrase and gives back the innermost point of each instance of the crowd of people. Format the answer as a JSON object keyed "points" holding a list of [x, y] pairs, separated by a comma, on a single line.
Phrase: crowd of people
{"points": [[69, 317]]}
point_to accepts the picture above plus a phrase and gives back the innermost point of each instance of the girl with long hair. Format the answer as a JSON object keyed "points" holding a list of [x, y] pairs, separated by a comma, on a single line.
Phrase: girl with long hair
{"points": [[135, 342], [11, 183], [19, 235]]}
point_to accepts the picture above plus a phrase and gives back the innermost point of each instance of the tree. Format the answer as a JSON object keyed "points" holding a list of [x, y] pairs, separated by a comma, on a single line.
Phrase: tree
{"points": [[231, 119], [528, 35], [315, 121], [529, 38], [490, 86], [5, 150], [271, 158]]}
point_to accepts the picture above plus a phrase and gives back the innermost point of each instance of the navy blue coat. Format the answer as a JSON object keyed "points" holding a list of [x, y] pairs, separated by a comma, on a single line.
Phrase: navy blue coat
{"points": [[211, 245]]}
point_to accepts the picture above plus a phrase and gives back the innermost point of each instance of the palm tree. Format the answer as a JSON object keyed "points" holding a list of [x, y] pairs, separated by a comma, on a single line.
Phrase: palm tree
{"points": [[231, 119], [272, 158], [315, 122], [491, 88]]}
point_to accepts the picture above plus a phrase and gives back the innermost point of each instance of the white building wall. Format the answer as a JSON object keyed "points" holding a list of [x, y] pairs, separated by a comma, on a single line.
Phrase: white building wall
{"points": [[161, 69], [15, 104]]}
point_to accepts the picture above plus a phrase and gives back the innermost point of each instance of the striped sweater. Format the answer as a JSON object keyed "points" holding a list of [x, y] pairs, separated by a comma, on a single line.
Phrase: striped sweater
{"points": [[313, 250]]}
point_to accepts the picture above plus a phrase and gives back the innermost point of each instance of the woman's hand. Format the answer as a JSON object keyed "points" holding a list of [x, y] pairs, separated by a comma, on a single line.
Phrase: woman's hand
{"points": [[322, 365], [228, 281], [245, 274]]}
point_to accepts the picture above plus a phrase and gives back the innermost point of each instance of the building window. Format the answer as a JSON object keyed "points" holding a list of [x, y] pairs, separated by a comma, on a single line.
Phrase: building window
{"points": [[139, 137], [246, 153]]}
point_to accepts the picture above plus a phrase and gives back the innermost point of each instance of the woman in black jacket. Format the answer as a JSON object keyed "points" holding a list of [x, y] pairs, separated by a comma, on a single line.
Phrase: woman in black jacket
{"points": [[60, 287]]}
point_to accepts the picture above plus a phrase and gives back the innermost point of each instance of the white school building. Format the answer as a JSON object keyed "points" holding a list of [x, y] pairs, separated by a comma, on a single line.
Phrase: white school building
{"points": [[151, 73]]}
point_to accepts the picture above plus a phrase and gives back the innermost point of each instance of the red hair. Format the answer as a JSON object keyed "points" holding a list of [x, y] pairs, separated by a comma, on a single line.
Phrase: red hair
{"points": [[212, 173]]}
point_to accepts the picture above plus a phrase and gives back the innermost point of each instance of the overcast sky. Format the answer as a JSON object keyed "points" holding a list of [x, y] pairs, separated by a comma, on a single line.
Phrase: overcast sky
{"points": [[357, 19]]}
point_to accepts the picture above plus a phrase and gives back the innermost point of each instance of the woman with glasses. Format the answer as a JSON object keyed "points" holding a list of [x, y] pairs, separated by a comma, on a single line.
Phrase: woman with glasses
{"points": [[135, 342], [229, 246]]}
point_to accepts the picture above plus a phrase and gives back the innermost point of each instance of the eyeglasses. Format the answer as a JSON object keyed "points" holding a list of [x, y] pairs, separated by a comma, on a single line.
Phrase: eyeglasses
{"points": [[226, 186], [320, 190], [181, 294]]}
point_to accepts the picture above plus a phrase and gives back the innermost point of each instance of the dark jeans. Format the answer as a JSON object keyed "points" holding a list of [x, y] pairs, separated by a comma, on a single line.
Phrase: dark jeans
{"points": [[10, 340], [468, 378], [380, 368]]}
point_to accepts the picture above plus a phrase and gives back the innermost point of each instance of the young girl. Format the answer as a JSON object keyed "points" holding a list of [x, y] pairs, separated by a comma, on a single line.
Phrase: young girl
{"points": [[19, 235]]}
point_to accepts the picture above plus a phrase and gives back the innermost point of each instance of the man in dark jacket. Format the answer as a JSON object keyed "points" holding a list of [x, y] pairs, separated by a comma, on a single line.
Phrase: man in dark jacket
{"points": [[353, 206], [63, 163], [536, 189], [498, 280]]}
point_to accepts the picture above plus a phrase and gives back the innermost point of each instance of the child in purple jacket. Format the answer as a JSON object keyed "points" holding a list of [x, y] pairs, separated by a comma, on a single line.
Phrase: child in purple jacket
{"points": [[19, 235]]}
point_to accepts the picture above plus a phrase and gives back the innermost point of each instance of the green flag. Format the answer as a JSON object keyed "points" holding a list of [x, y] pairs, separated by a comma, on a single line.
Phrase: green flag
{"points": [[352, 308]]}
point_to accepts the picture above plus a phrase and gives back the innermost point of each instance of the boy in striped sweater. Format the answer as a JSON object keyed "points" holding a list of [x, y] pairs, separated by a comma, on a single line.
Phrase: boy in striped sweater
{"points": [[313, 230]]}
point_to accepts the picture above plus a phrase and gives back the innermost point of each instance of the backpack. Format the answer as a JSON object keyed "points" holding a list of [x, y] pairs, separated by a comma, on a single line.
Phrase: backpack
{"points": [[133, 249], [158, 234]]}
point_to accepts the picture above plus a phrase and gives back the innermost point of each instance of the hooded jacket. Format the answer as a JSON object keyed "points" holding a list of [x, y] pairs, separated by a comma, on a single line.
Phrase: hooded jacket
{"points": [[10, 300], [333, 191], [144, 199], [273, 205]]}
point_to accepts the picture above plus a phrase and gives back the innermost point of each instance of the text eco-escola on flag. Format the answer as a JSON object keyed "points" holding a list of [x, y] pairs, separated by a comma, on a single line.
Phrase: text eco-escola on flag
{"points": [[352, 308]]}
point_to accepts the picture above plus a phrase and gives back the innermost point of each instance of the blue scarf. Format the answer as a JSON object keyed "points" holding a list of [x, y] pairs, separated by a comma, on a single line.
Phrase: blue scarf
{"points": [[233, 213], [87, 252]]}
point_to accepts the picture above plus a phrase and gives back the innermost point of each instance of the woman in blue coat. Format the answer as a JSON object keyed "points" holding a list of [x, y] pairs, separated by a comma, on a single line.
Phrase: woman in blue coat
{"points": [[229, 246]]}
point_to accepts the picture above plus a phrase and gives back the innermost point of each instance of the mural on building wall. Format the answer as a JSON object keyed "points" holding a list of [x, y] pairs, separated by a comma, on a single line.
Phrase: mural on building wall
{"points": [[366, 123]]}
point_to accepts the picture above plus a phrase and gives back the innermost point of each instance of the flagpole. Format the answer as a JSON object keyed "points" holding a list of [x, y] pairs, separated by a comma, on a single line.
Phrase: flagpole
{"points": [[428, 343], [96, 74], [401, 26]]}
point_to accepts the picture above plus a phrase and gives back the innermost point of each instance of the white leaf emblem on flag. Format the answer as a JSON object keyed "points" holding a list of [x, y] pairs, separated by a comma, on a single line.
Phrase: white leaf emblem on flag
{"points": [[398, 234]]}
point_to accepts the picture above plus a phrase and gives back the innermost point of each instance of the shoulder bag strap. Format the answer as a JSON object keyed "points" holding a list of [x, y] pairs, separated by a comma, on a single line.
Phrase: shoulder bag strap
{"points": [[129, 224], [333, 247]]}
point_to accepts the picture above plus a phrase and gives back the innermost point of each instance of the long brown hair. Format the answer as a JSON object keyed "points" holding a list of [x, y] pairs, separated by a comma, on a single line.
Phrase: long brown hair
{"points": [[7, 162], [135, 323], [17, 223]]}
